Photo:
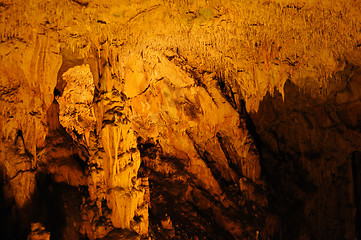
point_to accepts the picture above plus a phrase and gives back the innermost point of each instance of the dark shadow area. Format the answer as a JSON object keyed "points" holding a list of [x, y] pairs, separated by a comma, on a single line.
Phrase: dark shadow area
{"points": [[303, 143], [57, 206], [180, 208], [49, 205], [14, 221], [6, 205], [356, 173]]}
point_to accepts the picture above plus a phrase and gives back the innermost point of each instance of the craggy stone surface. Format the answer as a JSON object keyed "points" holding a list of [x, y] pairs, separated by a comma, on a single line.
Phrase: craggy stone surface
{"points": [[180, 119]]}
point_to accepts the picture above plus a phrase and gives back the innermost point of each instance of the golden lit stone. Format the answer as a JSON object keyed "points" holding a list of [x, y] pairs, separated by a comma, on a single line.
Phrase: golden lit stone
{"points": [[180, 119]]}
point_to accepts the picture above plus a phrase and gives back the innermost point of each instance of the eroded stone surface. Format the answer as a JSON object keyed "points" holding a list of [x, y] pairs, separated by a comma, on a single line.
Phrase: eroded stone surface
{"points": [[76, 112], [159, 117], [38, 232]]}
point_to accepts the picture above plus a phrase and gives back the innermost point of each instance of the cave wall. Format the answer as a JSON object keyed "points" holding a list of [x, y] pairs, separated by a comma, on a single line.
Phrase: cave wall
{"points": [[182, 119], [309, 156]]}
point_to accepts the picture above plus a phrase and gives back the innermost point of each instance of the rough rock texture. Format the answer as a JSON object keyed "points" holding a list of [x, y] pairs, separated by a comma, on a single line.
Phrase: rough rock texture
{"points": [[193, 142], [180, 119], [38, 232]]}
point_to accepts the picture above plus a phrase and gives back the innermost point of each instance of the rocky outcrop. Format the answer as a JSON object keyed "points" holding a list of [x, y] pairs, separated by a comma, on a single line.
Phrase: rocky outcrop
{"points": [[38, 232], [114, 157], [194, 142], [180, 120]]}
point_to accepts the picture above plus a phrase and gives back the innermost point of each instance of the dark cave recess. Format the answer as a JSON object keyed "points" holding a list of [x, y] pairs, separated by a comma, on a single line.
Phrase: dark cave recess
{"points": [[309, 154]]}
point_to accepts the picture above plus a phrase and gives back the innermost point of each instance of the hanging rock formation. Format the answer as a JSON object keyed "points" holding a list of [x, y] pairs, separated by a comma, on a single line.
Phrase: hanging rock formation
{"points": [[180, 119]]}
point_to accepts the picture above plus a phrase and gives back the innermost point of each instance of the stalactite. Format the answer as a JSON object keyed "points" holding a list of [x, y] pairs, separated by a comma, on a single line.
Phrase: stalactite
{"points": [[155, 139]]}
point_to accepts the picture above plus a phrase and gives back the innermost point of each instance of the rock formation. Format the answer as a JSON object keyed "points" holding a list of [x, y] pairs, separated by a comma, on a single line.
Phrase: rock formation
{"points": [[180, 119]]}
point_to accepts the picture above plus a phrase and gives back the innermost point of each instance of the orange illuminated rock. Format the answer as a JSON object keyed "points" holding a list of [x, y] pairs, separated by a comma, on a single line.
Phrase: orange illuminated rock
{"points": [[38, 232], [180, 119]]}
